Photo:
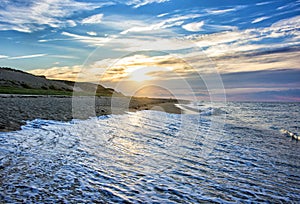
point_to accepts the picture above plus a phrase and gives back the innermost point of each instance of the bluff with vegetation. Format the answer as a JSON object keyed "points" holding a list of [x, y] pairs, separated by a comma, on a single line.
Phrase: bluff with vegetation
{"points": [[14, 81]]}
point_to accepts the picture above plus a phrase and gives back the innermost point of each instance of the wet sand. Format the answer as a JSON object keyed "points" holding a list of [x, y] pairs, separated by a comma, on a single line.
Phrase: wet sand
{"points": [[15, 110]]}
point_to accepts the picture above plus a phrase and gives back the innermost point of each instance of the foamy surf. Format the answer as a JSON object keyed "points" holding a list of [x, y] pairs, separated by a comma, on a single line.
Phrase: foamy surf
{"points": [[288, 133], [152, 156], [188, 109], [200, 109]]}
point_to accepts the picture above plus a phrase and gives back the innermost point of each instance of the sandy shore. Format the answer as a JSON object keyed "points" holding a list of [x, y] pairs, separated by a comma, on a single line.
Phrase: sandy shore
{"points": [[17, 109]]}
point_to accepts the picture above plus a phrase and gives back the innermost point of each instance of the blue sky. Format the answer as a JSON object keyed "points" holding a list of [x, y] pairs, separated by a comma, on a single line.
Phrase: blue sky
{"points": [[252, 45]]}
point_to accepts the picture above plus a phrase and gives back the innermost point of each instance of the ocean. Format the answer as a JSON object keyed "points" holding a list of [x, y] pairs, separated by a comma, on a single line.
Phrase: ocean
{"points": [[218, 153]]}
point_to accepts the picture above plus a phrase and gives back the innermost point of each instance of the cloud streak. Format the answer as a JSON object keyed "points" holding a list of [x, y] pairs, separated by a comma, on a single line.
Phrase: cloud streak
{"points": [[44, 13], [27, 56], [92, 41], [66, 72], [163, 24], [193, 27], [91, 33], [139, 3], [257, 20], [250, 40], [223, 11], [93, 19]]}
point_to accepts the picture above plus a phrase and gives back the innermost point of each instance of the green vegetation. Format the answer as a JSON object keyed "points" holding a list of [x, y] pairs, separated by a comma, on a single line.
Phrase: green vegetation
{"points": [[28, 91], [19, 82]]}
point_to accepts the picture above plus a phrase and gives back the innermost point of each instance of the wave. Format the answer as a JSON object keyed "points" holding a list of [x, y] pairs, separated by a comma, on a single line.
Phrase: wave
{"points": [[151, 156], [212, 111], [290, 134], [38, 123], [200, 109]]}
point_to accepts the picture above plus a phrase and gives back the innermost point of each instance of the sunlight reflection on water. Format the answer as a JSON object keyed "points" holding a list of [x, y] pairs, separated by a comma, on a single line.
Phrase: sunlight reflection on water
{"points": [[151, 156]]}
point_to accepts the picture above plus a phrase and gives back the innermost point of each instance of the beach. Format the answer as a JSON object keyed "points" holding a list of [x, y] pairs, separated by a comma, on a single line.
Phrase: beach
{"points": [[17, 109]]}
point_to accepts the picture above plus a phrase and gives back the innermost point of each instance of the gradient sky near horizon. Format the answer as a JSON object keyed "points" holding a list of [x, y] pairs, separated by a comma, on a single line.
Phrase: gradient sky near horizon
{"points": [[253, 45]]}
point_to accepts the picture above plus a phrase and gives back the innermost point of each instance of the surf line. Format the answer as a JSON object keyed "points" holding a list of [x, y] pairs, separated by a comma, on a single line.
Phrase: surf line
{"points": [[290, 134]]}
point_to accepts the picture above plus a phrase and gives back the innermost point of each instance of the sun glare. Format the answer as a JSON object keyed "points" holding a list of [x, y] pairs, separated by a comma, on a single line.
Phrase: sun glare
{"points": [[140, 75]]}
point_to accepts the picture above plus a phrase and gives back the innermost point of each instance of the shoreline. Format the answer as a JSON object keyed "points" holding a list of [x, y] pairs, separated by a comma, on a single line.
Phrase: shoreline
{"points": [[17, 109]]}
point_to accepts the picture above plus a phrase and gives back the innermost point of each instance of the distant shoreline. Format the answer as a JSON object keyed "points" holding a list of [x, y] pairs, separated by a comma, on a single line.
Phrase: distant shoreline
{"points": [[17, 109]]}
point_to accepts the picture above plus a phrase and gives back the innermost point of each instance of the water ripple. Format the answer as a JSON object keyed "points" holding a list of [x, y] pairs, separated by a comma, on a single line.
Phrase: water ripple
{"points": [[151, 156]]}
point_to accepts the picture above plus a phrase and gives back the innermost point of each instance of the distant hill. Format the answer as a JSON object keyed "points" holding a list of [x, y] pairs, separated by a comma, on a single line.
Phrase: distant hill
{"points": [[14, 81]]}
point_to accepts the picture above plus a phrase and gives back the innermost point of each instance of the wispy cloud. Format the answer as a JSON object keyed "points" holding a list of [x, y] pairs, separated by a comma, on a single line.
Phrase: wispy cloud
{"points": [[113, 22], [220, 11], [63, 56], [139, 3], [162, 15], [113, 70], [22, 57], [92, 41], [45, 13], [167, 23], [237, 41], [51, 40], [91, 33], [93, 19], [70, 23], [193, 27], [289, 5], [263, 3], [27, 56], [220, 28], [293, 22], [66, 72], [257, 20], [222, 43], [137, 43], [237, 62]]}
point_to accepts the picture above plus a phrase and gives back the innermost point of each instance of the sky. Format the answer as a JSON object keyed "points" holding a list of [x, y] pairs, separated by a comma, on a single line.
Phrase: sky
{"points": [[200, 50]]}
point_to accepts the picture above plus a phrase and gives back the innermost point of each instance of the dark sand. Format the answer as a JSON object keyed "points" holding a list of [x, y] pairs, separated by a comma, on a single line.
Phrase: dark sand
{"points": [[17, 109]]}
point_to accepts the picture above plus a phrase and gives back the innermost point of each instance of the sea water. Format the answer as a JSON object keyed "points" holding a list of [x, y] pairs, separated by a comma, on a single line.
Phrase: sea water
{"points": [[220, 153]]}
